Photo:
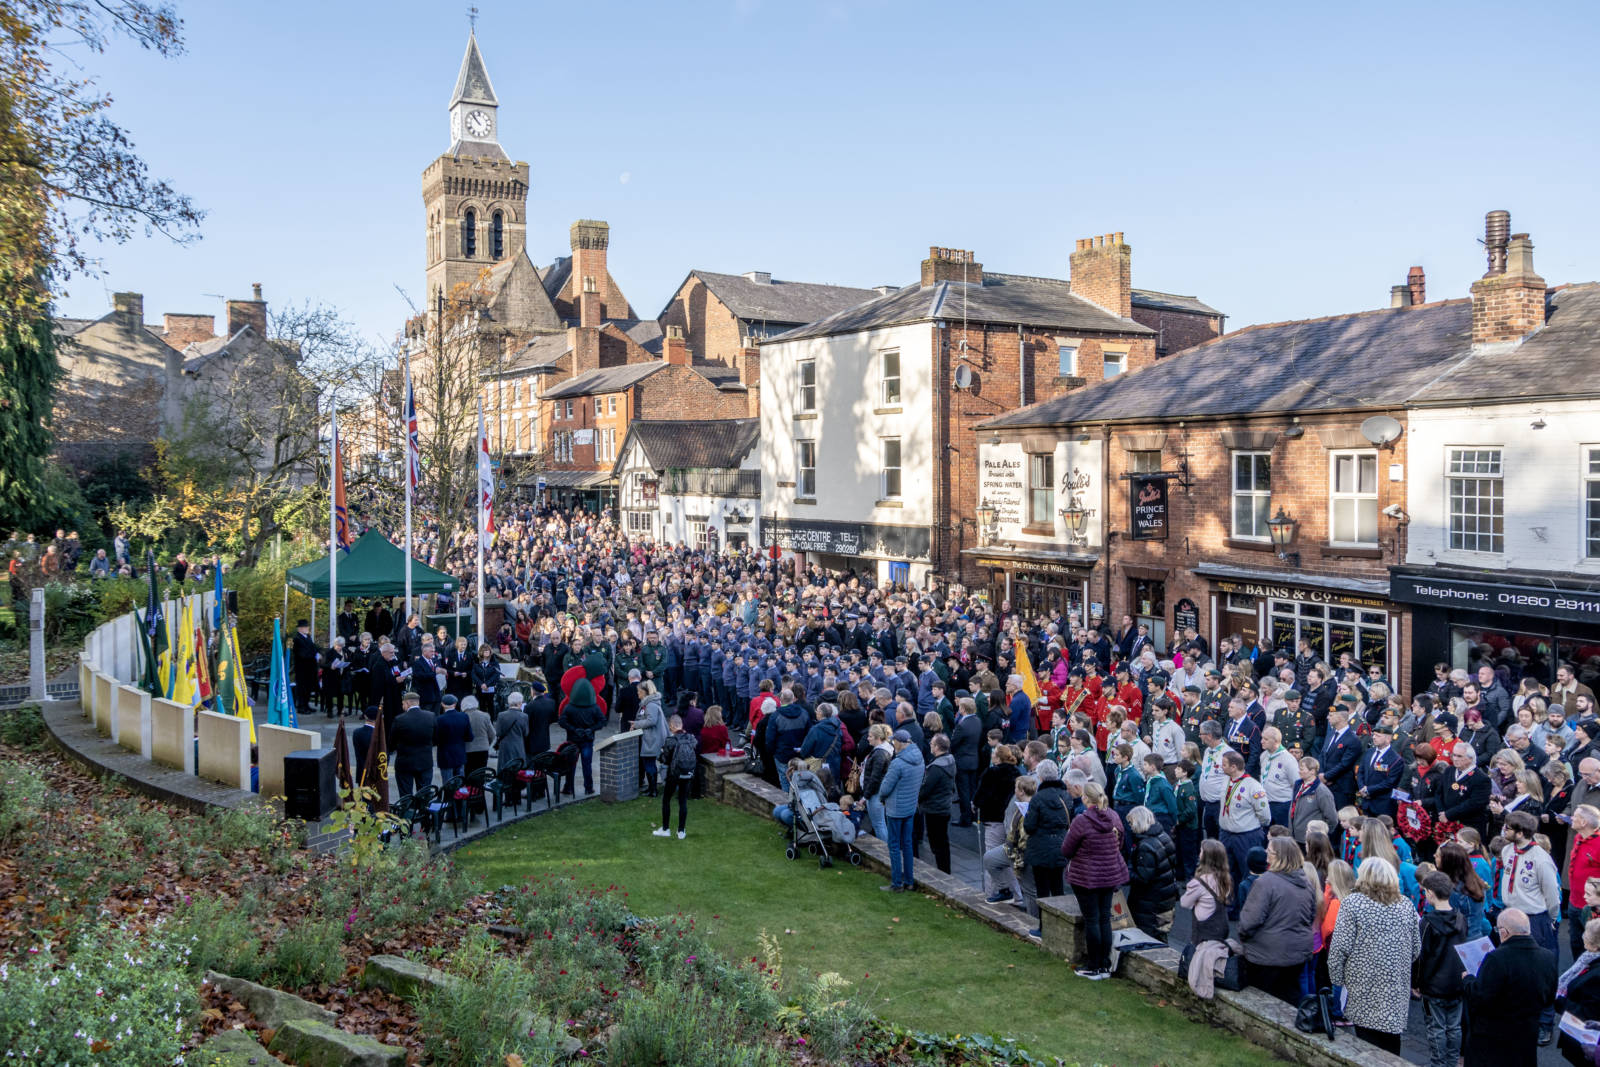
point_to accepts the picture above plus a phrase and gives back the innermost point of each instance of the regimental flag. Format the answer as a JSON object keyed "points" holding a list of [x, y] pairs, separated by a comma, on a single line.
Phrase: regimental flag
{"points": [[150, 679], [203, 688], [341, 748], [413, 440], [186, 673], [218, 600], [280, 702], [341, 515], [154, 615], [375, 771], [1030, 681], [233, 693], [485, 483]]}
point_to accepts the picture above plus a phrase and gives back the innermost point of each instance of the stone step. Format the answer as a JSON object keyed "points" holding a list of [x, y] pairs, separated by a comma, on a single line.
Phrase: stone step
{"points": [[272, 1007], [402, 977], [316, 1044], [236, 1048]]}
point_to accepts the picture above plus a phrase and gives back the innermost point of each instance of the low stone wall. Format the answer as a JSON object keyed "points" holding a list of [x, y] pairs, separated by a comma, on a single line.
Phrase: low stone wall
{"points": [[133, 719], [273, 743], [224, 749], [617, 764], [1262, 1019], [171, 735]]}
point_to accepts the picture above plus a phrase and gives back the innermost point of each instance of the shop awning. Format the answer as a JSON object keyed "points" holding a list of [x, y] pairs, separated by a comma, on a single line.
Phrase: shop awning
{"points": [[1363, 586], [575, 479]]}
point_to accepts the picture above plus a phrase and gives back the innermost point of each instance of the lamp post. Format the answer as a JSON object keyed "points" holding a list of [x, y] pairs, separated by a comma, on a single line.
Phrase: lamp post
{"points": [[1282, 528]]}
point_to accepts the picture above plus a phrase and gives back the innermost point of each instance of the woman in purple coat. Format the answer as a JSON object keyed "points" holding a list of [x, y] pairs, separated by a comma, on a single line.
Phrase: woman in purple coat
{"points": [[1095, 868]]}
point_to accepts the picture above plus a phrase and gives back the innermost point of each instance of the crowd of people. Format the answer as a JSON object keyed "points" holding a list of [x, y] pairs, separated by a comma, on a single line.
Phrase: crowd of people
{"points": [[1316, 829]]}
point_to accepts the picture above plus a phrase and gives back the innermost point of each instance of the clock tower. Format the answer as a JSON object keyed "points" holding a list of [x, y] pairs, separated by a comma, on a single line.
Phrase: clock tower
{"points": [[475, 198]]}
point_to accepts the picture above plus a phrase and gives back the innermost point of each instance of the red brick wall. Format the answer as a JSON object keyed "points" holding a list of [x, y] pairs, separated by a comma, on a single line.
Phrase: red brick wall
{"points": [[1200, 519], [1177, 330], [713, 332], [682, 393], [997, 360]]}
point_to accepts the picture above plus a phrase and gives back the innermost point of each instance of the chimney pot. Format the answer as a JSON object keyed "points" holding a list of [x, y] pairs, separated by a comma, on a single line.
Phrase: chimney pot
{"points": [[1399, 296], [1496, 230], [255, 289], [1417, 284]]}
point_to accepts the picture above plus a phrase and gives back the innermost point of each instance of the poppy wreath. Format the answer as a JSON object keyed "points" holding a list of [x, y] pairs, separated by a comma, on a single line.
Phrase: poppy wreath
{"points": [[1445, 829], [1415, 824], [571, 678]]}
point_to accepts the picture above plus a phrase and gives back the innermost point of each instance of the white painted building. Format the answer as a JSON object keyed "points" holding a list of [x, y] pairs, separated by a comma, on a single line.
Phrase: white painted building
{"points": [[694, 482], [1502, 557]]}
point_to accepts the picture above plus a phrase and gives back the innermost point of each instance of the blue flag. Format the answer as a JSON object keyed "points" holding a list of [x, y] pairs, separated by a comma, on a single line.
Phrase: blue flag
{"points": [[216, 608], [280, 703]]}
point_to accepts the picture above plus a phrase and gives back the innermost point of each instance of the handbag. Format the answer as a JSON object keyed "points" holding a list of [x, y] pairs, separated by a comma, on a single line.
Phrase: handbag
{"points": [[1315, 1014], [1230, 978]]}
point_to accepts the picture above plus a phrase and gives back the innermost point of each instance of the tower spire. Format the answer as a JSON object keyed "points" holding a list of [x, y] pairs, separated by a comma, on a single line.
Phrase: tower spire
{"points": [[472, 84]]}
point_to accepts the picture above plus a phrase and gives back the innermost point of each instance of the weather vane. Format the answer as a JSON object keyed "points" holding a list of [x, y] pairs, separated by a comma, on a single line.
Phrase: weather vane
{"points": [[472, 17]]}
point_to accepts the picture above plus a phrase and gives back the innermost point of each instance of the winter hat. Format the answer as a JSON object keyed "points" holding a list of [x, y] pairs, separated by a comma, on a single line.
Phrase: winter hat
{"points": [[582, 695], [1256, 860]]}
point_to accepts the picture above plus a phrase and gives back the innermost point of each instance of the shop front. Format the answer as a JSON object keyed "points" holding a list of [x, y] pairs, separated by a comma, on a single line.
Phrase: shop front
{"points": [[1524, 624], [1036, 582], [896, 555], [1336, 615]]}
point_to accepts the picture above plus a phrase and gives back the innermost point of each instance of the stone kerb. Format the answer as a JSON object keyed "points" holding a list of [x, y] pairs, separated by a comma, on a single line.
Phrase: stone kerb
{"points": [[171, 735], [714, 768], [105, 694], [225, 749], [133, 719], [618, 766], [273, 743]]}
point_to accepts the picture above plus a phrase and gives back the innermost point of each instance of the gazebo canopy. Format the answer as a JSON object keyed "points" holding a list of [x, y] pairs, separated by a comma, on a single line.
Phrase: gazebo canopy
{"points": [[372, 567]]}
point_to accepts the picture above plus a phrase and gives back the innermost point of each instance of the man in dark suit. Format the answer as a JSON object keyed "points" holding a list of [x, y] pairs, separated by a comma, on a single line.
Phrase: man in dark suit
{"points": [[304, 656], [411, 741], [966, 744], [1379, 773], [541, 715], [425, 670], [390, 678], [1126, 636], [1319, 692], [1140, 642], [361, 738], [1464, 795], [1504, 1000], [1243, 735], [1340, 754], [451, 732]]}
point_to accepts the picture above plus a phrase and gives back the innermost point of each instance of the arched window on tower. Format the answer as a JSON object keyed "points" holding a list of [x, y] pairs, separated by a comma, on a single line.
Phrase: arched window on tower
{"points": [[469, 234], [497, 241]]}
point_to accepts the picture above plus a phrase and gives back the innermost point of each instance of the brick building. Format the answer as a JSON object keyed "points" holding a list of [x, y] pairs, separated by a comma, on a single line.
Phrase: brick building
{"points": [[722, 314], [615, 381], [871, 412]]}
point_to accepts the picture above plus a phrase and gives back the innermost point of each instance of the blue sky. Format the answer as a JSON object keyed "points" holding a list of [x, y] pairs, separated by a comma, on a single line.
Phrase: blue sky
{"points": [[1280, 161]]}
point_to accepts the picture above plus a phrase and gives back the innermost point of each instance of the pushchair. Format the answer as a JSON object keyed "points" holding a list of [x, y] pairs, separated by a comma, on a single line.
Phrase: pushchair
{"points": [[818, 826]]}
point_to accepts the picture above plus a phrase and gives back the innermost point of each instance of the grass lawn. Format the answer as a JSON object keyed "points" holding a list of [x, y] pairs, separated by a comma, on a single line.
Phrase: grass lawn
{"points": [[916, 962]]}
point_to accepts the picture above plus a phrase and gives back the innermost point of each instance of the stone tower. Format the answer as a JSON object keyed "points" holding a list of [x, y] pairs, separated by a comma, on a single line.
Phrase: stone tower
{"points": [[474, 197]]}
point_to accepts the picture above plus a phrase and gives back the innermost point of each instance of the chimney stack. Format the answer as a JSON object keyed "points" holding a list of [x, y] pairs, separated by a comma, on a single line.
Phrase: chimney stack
{"points": [[182, 330], [951, 265], [750, 373], [242, 313], [130, 306], [674, 348], [590, 239], [1417, 282], [1102, 273], [589, 306], [1508, 303], [760, 277]]}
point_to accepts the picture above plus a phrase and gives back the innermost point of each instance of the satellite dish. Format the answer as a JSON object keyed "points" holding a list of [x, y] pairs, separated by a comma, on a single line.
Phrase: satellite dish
{"points": [[1381, 429], [963, 377]]}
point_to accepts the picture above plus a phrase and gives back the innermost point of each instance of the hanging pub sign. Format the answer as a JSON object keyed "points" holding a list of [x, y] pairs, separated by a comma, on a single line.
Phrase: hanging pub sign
{"points": [[1147, 501]]}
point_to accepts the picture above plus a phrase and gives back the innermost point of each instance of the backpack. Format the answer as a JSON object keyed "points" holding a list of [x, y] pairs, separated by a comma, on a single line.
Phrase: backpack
{"points": [[684, 758]]}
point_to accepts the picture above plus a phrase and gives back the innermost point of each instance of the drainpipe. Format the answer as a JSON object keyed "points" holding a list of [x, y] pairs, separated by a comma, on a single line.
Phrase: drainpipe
{"points": [[1022, 369], [1105, 512]]}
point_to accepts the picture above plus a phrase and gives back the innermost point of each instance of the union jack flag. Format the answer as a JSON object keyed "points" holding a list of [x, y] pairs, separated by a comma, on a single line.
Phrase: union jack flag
{"points": [[413, 441]]}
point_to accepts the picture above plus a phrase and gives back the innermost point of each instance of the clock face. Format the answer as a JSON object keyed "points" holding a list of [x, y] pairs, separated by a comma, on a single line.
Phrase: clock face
{"points": [[479, 123]]}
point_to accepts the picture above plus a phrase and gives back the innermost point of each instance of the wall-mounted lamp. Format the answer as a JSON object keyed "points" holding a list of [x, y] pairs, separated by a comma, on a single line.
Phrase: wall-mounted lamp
{"points": [[1076, 516], [1282, 529]]}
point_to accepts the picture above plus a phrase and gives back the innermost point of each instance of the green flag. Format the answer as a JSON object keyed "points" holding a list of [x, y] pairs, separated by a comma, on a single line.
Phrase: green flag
{"points": [[150, 678]]}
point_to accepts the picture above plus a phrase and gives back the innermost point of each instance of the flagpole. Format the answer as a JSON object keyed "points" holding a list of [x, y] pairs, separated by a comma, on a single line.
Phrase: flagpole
{"points": [[481, 534], [333, 531], [408, 416]]}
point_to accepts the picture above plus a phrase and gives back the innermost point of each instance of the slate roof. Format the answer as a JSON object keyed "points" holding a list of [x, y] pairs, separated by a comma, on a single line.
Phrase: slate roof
{"points": [[541, 352], [1367, 359], [555, 276], [1559, 360], [604, 380], [472, 83], [1003, 298], [779, 301], [695, 443], [646, 333], [1152, 298]]}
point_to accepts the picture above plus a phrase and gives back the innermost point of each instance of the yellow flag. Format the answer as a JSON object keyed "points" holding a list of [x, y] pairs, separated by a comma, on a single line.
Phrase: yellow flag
{"points": [[186, 689], [1030, 682]]}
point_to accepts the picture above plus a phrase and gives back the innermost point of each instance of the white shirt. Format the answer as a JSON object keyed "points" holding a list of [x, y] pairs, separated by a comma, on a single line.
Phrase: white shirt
{"points": [[1212, 777], [1244, 806], [1280, 773]]}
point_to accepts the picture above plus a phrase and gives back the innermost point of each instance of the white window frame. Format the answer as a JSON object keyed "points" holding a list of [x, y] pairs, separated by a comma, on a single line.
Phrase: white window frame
{"points": [[697, 533], [1259, 497], [1117, 355], [611, 404], [889, 385], [1066, 359], [1353, 497], [806, 395], [1589, 515], [1488, 469], [599, 405], [891, 472], [1048, 487], [569, 409], [805, 478]]}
